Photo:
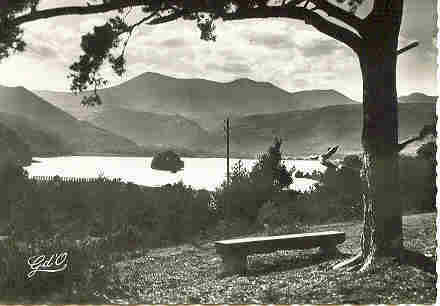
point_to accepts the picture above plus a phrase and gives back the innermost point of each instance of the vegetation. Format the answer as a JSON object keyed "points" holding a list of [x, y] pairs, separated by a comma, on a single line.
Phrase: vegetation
{"points": [[373, 38], [249, 190], [13, 148], [104, 222], [188, 273], [94, 222], [168, 161]]}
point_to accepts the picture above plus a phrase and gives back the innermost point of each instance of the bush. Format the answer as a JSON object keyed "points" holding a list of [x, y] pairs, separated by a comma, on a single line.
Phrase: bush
{"points": [[278, 217], [239, 199], [343, 188], [417, 184], [180, 212], [13, 186], [269, 172], [248, 190]]}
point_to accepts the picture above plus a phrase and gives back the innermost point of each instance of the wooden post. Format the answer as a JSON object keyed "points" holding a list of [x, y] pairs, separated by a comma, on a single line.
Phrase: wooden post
{"points": [[227, 150]]}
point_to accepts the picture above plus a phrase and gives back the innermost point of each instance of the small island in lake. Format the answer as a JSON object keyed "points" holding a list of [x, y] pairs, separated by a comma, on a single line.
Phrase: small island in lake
{"points": [[168, 161]]}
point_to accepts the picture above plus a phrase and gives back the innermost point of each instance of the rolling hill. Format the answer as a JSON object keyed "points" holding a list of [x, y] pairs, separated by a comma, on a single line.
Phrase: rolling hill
{"points": [[144, 110], [13, 148], [203, 101], [147, 129], [40, 140], [79, 136], [418, 97], [313, 131]]}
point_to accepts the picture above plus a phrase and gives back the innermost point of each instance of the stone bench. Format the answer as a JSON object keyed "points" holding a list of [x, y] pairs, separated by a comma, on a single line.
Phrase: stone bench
{"points": [[235, 251]]}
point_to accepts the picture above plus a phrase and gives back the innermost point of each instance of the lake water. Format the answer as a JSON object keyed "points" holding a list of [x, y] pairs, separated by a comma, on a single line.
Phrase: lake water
{"points": [[200, 173]]}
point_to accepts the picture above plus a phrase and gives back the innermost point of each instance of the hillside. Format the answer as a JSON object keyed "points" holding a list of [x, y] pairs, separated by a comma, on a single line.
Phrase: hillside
{"points": [[144, 110], [40, 140], [147, 128], [206, 102], [418, 97], [80, 136], [313, 131], [13, 148]]}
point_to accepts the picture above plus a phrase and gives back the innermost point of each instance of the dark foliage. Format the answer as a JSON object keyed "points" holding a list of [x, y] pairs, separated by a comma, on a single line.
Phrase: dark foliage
{"points": [[428, 151], [168, 161], [418, 180], [341, 188], [249, 190]]}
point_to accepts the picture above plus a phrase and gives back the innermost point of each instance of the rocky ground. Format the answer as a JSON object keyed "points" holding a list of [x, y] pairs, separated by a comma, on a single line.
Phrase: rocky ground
{"points": [[189, 273]]}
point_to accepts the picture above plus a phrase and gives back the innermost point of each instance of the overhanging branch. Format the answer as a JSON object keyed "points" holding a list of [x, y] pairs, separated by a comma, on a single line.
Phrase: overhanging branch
{"points": [[340, 14], [424, 132], [310, 17], [77, 10], [167, 18], [403, 145]]}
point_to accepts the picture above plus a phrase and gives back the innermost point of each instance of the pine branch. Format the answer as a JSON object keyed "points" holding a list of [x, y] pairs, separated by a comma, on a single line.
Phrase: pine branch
{"points": [[310, 17], [76, 10], [402, 145], [340, 14]]}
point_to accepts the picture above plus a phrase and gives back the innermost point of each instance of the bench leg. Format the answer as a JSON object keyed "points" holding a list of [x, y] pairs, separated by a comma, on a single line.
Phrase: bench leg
{"points": [[329, 250], [234, 263]]}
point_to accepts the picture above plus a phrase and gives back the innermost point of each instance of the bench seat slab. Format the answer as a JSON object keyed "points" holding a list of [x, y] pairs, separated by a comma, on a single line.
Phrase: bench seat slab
{"points": [[234, 251]]}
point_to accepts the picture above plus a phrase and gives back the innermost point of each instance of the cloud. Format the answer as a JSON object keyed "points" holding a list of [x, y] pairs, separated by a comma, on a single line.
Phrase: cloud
{"points": [[270, 40], [301, 83], [288, 53], [41, 51], [234, 68], [320, 47], [173, 43]]}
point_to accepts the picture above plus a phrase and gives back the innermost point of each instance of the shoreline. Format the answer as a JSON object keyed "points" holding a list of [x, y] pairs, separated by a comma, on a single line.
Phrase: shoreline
{"points": [[195, 155]]}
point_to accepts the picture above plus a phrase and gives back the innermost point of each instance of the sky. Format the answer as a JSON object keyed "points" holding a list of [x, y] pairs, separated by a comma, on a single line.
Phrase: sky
{"points": [[288, 53]]}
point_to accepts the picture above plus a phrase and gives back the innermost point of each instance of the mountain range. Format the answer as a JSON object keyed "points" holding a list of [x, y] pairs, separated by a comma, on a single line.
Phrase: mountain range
{"points": [[207, 103], [314, 131], [23, 110], [156, 111]]}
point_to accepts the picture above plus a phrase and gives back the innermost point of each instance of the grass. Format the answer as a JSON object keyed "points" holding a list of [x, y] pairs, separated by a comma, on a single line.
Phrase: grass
{"points": [[188, 273]]}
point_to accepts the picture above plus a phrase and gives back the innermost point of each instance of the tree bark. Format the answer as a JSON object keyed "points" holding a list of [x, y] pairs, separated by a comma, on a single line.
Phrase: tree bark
{"points": [[382, 228], [382, 208]]}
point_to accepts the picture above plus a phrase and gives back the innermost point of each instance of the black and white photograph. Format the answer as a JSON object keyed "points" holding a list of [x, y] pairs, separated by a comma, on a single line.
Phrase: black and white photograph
{"points": [[218, 151]]}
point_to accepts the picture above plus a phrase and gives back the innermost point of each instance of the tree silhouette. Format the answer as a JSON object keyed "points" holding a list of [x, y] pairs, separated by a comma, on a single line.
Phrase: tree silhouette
{"points": [[374, 39]]}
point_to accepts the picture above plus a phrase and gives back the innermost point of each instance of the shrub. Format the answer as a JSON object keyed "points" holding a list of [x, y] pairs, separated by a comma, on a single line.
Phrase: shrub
{"points": [[248, 190], [269, 172], [343, 187], [417, 184], [179, 212], [13, 186], [278, 217], [239, 199]]}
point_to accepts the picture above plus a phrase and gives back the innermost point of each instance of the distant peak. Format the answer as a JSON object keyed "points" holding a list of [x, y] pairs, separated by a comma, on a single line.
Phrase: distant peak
{"points": [[417, 95], [151, 74], [249, 82], [243, 80]]}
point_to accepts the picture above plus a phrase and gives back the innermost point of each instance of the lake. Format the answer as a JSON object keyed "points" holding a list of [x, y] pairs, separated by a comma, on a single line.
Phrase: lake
{"points": [[200, 173]]}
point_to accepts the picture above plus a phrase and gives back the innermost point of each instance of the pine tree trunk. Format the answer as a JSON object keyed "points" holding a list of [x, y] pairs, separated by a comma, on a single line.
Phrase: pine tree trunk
{"points": [[382, 234], [382, 229]]}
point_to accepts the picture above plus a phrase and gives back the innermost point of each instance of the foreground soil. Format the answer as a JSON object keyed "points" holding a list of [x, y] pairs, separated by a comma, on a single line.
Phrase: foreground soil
{"points": [[189, 273]]}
